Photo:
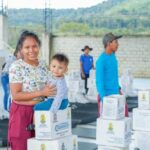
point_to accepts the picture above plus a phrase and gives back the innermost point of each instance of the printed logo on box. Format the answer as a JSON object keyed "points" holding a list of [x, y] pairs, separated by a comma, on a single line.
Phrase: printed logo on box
{"points": [[74, 144], [42, 118], [55, 117], [143, 97], [62, 126], [110, 128], [43, 147]]}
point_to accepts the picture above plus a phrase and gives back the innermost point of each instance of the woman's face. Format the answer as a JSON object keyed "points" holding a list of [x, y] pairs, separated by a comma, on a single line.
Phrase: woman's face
{"points": [[30, 50]]}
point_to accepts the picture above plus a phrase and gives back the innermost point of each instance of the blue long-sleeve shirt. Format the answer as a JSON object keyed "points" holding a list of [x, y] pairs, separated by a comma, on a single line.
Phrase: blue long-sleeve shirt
{"points": [[107, 75]]}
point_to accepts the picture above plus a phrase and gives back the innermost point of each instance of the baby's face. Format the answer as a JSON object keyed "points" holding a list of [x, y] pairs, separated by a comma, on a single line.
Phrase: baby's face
{"points": [[57, 68]]}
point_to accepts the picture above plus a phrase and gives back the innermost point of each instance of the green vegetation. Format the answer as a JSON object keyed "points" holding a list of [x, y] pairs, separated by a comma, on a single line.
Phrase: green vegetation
{"points": [[127, 17], [14, 32]]}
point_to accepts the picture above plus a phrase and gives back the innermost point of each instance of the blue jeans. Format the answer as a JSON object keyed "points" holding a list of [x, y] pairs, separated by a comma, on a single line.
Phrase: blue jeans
{"points": [[46, 105], [5, 85]]}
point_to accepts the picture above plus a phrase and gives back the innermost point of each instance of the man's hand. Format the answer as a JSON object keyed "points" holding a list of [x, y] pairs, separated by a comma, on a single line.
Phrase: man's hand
{"points": [[83, 75]]}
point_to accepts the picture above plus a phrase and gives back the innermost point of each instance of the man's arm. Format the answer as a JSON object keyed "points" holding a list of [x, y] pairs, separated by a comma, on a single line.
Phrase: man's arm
{"points": [[81, 67], [93, 63], [93, 66], [82, 72], [100, 78]]}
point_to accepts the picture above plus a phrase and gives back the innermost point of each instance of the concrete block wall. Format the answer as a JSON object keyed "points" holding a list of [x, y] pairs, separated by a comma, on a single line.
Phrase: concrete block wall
{"points": [[133, 52]]}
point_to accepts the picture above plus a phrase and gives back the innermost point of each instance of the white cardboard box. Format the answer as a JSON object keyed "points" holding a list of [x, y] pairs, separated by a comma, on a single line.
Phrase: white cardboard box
{"points": [[141, 119], [91, 83], [92, 73], [92, 92], [49, 125], [75, 75], [76, 85], [132, 146], [115, 133], [113, 107], [66, 143], [72, 96], [144, 99], [142, 140], [100, 147]]}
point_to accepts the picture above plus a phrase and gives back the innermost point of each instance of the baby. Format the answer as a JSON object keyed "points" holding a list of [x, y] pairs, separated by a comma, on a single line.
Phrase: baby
{"points": [[58, 68]]}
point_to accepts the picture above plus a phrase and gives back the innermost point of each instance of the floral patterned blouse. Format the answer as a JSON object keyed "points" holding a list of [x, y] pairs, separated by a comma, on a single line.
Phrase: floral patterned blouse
{"points": [[32, 78]]}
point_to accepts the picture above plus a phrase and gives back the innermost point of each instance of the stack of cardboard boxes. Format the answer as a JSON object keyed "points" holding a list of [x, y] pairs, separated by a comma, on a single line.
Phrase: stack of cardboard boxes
{"points": [[53, 131], [76, 86], [92, 90], [141, 122], [113, 128]]}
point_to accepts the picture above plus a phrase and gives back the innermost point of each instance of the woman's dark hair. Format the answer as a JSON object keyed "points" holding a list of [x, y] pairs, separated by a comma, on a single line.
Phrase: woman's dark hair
{"points": [[16, 50], [25, 34], [62, 58]]}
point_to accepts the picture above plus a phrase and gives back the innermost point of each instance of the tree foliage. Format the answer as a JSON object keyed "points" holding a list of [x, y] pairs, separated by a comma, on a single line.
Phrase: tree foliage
{"points": [[128, 17]]}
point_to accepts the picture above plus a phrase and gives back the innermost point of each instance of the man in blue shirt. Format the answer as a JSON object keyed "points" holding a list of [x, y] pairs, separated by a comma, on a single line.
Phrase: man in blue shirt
{"points": [[86, 64], [107, 80]]}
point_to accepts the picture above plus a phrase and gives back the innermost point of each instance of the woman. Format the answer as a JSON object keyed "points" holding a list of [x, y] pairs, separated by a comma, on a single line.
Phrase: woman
{"points": [[28, 87]]}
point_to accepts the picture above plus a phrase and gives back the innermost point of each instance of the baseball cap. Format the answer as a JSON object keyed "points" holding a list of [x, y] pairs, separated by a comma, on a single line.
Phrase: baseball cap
{"points": [[109, 37]]}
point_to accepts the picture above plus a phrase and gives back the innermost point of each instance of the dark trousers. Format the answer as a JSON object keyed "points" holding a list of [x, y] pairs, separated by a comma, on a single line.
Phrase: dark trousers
{"points": [[86, 80]]}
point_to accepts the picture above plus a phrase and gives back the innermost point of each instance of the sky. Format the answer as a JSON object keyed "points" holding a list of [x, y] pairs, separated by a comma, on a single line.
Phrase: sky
{"points": [[58, 4]]}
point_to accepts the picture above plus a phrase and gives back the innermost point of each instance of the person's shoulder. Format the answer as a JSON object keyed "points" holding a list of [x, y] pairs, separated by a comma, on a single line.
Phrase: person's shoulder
{"points": [[90, 56], [43, 65], [82, 55], [17, 65], [101, 57], [18, 62]]}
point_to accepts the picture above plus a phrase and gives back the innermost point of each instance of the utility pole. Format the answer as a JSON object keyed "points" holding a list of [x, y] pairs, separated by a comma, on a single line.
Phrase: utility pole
{"points": [[47, 17], [47, 35], [3, 24], [3, 7]]}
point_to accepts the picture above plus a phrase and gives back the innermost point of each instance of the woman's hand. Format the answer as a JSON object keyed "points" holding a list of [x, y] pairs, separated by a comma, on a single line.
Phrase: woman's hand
{"points": [[49, 90]]}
